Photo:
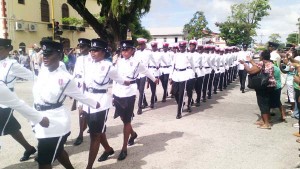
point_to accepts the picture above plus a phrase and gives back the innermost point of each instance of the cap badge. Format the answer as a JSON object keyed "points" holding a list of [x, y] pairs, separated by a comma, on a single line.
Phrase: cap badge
{"points": [[44, 47], [124, 45], [80, 41], [94, 44]]}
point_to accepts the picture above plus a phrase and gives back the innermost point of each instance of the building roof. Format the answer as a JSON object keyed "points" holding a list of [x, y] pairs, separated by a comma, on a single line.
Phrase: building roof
{"points": [[166, 31]]}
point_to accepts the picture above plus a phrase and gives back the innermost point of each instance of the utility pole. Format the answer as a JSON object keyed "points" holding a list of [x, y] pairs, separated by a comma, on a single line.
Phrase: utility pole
{"points": [[261, 36]]}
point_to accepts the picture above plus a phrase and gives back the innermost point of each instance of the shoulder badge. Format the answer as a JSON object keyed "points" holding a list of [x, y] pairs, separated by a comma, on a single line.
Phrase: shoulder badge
{"points": [[4, 64], [60, 82]]}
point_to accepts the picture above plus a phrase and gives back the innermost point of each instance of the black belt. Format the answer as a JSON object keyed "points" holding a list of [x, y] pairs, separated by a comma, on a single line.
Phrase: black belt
{"points": [[166, 66], [220, 66], [93, 90], [180, 69], [207, 67], [78, 76], [152, 67], [189, 67], [40, 107], [11, 89], [196, 67]]}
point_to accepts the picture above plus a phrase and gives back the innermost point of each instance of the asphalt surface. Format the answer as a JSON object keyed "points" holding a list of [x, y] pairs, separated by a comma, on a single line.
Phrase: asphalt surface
{"points": [[219, 134]]}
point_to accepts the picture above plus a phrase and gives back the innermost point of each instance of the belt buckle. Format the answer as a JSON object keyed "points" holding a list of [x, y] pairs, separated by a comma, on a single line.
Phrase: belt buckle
{"points": [[38, 107], [90, 90]]}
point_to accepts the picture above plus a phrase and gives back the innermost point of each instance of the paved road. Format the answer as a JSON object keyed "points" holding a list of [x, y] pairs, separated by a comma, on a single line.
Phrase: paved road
{"points": [[218, 135]]}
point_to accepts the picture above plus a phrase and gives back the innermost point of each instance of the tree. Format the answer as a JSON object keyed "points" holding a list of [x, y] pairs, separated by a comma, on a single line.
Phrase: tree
{"points": [[275, 37], [196, 26], [115, 17], [244, 19], [292, 38]]}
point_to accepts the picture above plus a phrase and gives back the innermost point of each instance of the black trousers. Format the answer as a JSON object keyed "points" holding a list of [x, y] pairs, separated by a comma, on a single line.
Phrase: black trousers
{"points": [[230, 75], [153, 90], [205, 86], [242, 76], [178, 92], [221, 81], [234, 72], [210, 83], [216, 81], [225, 82], [164, 79], [198, 87], [141, 87], [189, 90]]}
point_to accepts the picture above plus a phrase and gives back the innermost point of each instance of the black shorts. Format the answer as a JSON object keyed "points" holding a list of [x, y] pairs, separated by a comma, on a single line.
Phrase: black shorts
{"points": [[50, 148], [124, 108], [275, 98], [97, 121], [264, 99], [8, 123]]}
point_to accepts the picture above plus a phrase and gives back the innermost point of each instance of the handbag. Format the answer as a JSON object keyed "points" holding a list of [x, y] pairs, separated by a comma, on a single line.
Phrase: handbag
{"points": [[259, 81]]}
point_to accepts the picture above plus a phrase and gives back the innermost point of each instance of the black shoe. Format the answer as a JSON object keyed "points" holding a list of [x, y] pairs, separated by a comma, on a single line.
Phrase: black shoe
{"points": [[178, 116], [78, 141], [27, 154], [189, 109], [203, 100], [144, 105], [139, 112], [131, 139], [88, 131], [105, 155], [163, 100], [192, 102], [151, 106], [197, 104], [243, 91], [155, 99], [221, 89], [172, 96], [209, 97], [215, 92], [122, 155]]}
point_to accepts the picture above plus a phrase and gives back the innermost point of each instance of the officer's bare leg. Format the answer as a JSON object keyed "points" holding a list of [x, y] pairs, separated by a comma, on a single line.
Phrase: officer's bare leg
{"points": [[82, 126], [18, 136], [127, 130], [94, 147], [64, 159], [104, 143]]}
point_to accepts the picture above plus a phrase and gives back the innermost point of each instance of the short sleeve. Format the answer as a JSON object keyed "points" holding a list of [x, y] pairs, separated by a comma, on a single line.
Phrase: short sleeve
{"points": [[259, 64]]}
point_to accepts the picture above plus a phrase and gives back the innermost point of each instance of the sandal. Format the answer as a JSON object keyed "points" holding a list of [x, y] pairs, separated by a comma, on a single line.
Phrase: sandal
{"points": [[264, 127], [298, 140], [259, 123]]}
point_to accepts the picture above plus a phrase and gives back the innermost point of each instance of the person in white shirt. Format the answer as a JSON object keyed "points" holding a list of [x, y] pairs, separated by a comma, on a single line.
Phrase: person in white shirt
{"points": [[191, 73], [36, 60], [79, 75], [178, 76], [222, 69], [124, 96], [97, 79], [242, 55], [272, 47], [53, 85], [217, 69], [198, 60], [144, 55], [207, 69], [10, 70], [165, 69]]}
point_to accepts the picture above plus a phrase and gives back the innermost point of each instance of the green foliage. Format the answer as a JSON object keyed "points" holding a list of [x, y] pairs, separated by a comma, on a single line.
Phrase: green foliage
{"points": [[274, 37], [293, 38], [240, 27], [115, 17], [72, 21], [196, 26]]}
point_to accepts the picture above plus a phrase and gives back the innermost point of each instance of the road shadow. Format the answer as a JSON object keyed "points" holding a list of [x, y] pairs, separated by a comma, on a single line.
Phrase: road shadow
{"points": [[144, 146]]}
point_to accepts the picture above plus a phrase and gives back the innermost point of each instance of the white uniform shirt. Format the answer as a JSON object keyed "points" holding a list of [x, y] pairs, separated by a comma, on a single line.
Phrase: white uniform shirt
{"points": [[165, 67], [144, 56], [129, 70], [47, 89], [11, 100], [242, 55], [197, 58], [36, 58], [153, 65], [181, 61], [207, 63], [98, 76], [217, 63]]}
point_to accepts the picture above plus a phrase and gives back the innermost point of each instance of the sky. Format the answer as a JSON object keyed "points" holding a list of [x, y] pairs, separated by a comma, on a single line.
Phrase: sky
{"points": [[283, 16]]}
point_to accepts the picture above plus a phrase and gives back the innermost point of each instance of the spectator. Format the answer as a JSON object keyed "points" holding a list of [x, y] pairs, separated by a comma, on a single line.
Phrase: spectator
{"points": [[263, 96]]}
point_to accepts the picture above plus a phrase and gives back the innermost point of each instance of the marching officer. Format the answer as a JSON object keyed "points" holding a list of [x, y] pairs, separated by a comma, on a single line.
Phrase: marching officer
{"points": [[217, 69], [242, 55], [178, 76], [97, 80], [143, 55], [208, 70], [198, 63], [165, 69], [53, 85], [10, 70], [124, 96], [222, 69], [79, 74], [211, 55]]}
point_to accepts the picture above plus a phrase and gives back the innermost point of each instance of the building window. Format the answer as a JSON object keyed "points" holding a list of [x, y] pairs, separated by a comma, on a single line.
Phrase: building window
{"points": [[165, 39], [65, 12], [22, 46], [21, 1], [45, 17], [176, 39]]}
